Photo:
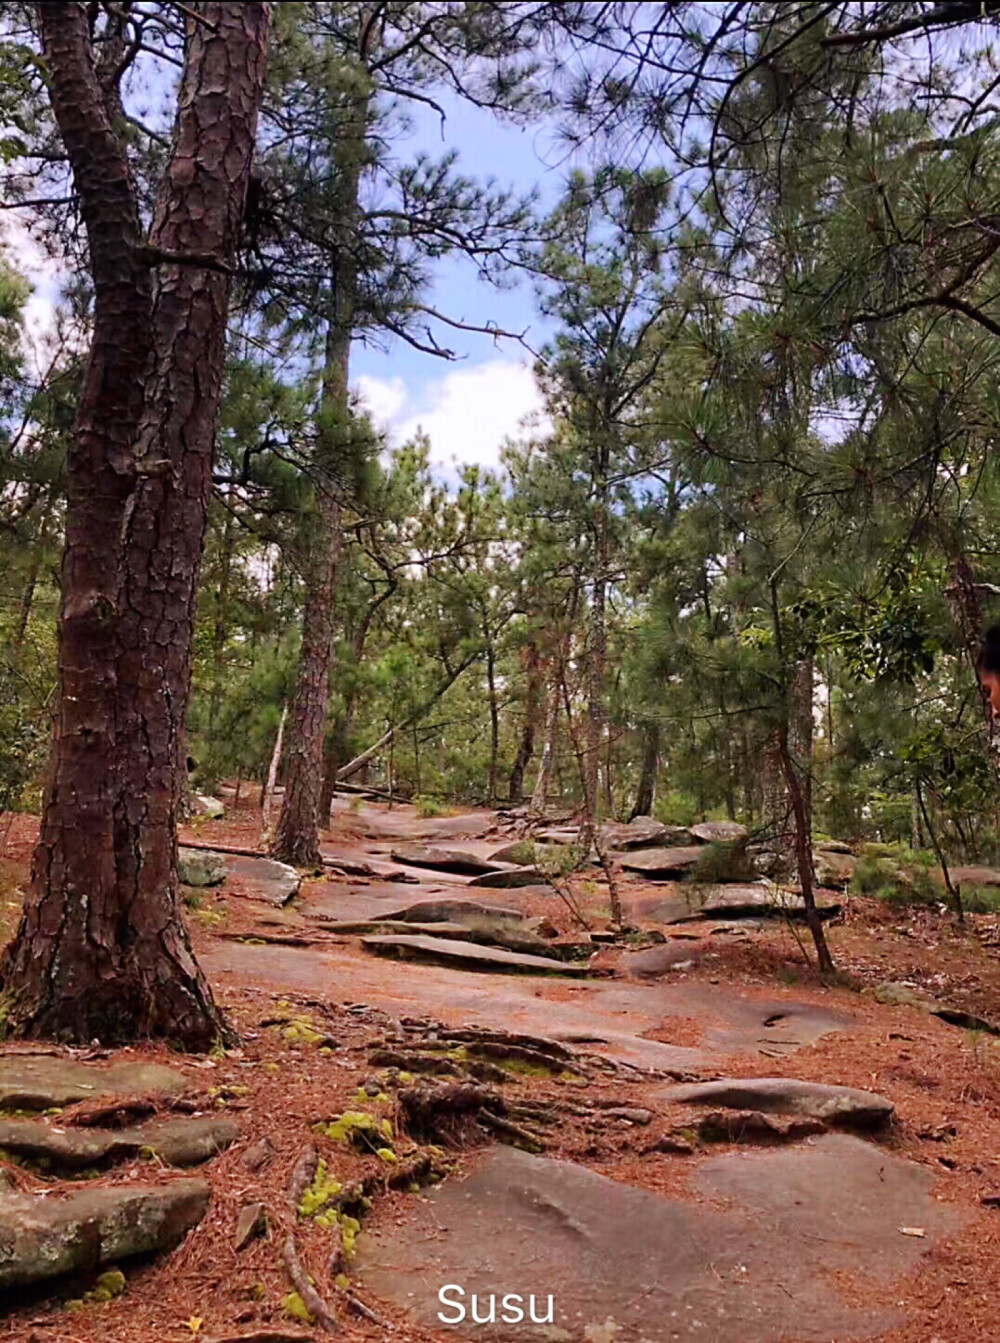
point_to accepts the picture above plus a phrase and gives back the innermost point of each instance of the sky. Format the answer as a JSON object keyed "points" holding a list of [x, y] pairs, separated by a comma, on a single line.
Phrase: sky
{"points": [[468, 406]]}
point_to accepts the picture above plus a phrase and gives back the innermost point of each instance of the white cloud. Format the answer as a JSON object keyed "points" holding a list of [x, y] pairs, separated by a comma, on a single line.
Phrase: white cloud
{"points": [[467, 414], [384, 398]]}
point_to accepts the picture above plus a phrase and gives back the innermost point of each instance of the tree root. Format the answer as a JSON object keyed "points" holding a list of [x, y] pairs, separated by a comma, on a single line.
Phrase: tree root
{"points": [[302, 1176], [118, 1112], [506, 1129], [413, 1062], [365, 1312], [312, 1300]]}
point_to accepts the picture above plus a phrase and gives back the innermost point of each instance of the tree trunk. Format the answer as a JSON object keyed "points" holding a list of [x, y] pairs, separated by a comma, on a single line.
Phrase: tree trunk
{"points": [[540, 793], [803, 852], [596, 659], [650, 766], [526, 746], [963, 597], [297, 837], [491, 682], [800, 727], [101, 951], [267, 792]]}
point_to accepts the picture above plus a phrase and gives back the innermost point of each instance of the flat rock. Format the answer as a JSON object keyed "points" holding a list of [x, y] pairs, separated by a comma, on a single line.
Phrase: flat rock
{"points": [[451, 911], [762, 1267], [835, 1105], [265, 878], [972, 876], [179, 1141], [508, 881], [901, 994], [47, 1236], [251, 1223], [833, 846], [466, 955], [201, 867], [41, 1081], [521, 852], [204, 805], [833, 868], [653, 962], [642, 832], [752, 901], [662, 862], [442, 860], [562, 836], [718, 832]]}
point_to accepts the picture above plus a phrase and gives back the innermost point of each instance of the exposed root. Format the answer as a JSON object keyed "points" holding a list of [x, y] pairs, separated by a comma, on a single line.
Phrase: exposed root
{"points": [[302, 1176], [507, 1130], [365, 1312], [312, 1300], [118, 1112]]}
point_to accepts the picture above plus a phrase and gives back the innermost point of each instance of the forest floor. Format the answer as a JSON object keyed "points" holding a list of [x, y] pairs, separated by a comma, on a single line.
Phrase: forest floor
{"points": [[311, 1005]]}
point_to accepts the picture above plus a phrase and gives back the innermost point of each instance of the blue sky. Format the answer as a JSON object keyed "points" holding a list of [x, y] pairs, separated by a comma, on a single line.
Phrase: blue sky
{"points": [[469, 406]]}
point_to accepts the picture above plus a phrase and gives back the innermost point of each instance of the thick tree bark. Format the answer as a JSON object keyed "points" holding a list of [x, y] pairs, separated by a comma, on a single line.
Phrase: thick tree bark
{"points": [[297, 837], [526, 745], [101, 950], [650, 767]]}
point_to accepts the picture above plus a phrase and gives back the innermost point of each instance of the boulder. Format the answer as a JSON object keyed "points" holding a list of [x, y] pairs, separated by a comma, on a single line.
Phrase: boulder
{"points": [[833, 868], [48, 1236], [201, 867], [642, 832], [662, 862], [265, 879], [466, 955], [179, 1141], [833, 846], [443, 860], [718, 832], [509, 881], [835, 1105], [42, 1082]]}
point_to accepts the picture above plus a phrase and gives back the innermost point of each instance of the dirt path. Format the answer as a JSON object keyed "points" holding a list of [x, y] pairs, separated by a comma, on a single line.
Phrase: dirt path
{"points": [[642, 1216]]}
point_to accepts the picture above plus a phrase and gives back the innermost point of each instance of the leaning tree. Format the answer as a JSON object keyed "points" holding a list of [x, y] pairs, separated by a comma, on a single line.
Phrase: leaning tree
{"points": [[101, 950]]}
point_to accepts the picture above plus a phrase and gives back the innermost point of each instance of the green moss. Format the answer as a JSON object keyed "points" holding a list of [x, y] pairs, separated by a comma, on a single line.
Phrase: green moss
{"points": [[324, 1187], [302, 1032], [358, 1128], [387, 1154], [293, 1305], [107, 1287]]}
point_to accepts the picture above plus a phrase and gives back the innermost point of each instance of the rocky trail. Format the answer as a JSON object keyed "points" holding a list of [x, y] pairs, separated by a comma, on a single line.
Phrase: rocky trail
{"points": [[461, 1107]]}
